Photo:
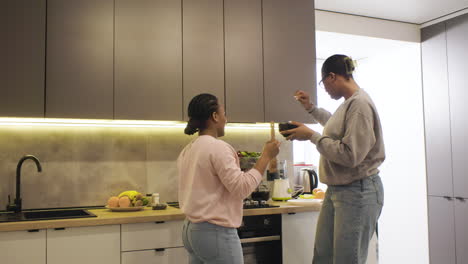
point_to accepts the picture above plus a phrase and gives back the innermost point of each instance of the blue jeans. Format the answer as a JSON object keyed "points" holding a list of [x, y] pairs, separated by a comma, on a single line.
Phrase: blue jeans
{"points": [[347, 221], [207, 243]]}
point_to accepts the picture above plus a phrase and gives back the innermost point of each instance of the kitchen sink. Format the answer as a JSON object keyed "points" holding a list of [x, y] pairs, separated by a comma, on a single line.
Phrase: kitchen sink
{"points": [[45, 215]]}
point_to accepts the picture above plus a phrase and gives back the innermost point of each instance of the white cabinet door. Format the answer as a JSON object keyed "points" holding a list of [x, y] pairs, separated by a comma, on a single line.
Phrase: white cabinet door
{"points": [[166, 256], [461, 233], [19, 247], [155, 235], [298, 237], [79, 245], [441, 230]]}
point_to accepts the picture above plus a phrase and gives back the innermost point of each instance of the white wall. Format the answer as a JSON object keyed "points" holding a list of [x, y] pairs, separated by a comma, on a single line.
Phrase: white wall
{"points": [[393, 79], [391, 74]]}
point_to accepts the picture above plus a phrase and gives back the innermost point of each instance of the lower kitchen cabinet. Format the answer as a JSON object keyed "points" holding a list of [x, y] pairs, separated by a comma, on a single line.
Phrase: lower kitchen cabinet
{"points": [[298, 236], [20, 247], [79, 245], [155, 242], [154, 235], [162, 256]]}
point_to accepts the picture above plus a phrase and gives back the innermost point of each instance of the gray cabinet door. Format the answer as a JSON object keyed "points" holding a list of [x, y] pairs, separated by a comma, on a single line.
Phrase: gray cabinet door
{"points": [[441, 230], [461, 227], [203, 49], [22, 53], [457, 51], [148, 59], [289, 57], [80, 58], [244, 60], [436, 111]]}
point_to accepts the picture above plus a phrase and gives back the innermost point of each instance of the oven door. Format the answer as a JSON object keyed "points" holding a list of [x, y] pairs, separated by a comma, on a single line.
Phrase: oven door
{"points": [[260, 237], [262, 250]]}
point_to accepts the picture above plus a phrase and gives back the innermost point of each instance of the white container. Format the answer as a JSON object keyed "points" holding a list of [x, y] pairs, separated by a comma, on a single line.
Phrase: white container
{"points": [[155, 200]]}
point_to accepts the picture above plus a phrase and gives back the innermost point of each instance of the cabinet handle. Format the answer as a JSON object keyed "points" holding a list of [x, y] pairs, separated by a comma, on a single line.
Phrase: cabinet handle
{"points": [[448, 198], [159, 222], [291, 213], [59, 228], [33, 230], [159, 249], [460, 199]]}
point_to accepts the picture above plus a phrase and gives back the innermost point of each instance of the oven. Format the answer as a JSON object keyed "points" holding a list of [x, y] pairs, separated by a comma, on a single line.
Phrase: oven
{"points": [[260, 236]]}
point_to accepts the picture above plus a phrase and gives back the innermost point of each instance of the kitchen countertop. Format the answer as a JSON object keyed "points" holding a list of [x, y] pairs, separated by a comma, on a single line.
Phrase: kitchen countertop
{"points": [[107, 217]]}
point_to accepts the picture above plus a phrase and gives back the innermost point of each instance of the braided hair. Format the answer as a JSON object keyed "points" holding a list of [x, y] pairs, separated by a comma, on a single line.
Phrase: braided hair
{"points": [[339, 64], [199, 111]]}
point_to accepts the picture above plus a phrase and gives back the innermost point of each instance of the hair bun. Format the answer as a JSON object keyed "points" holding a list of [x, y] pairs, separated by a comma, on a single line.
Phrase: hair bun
{"points": [[350, 65]]}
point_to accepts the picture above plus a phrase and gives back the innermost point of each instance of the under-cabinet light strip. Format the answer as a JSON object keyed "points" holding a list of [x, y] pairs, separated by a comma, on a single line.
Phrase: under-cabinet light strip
{"points": [[114, 123]]}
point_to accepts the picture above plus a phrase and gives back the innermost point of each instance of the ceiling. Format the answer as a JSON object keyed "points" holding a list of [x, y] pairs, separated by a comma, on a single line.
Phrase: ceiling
{"points": [[410, 11]]}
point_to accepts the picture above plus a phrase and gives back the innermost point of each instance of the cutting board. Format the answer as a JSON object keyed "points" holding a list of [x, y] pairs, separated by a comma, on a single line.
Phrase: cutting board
{"points": [[304, 202]]}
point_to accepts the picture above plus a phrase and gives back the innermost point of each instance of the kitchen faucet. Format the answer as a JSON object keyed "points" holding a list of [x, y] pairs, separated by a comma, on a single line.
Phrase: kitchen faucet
{"points": [[16, 207]]}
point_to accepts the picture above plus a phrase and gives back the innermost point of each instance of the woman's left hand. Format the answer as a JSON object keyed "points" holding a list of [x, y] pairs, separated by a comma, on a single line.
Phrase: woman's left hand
{"points": [[301, 133]]}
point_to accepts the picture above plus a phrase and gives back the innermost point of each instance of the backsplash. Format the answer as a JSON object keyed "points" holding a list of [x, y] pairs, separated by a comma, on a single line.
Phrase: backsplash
{"points": [[83, 166]]}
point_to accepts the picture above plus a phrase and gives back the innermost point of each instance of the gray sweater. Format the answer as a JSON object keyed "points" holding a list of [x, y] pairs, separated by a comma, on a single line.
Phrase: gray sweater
{"points": [[351, 146]]}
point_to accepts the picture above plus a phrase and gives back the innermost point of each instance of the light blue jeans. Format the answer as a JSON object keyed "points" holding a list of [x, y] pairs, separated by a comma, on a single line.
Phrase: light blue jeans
{"points": [[207, 243], [347, 221]]}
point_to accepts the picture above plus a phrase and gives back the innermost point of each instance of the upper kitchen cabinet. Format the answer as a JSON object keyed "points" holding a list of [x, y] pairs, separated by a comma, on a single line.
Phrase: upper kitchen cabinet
{"points": [[148, 59], [80, 59], [289, 57], [436, 111], [244, 60], [457, 53], [203, 49], [22, 50]]}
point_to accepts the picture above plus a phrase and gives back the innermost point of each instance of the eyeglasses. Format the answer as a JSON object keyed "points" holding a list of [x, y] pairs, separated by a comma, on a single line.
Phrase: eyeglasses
{"points": [[323, 79]]}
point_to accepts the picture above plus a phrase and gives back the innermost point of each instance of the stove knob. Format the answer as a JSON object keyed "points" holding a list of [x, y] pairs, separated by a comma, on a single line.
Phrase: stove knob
{"points": [[255, 203], [247, 203], [263, 202]]}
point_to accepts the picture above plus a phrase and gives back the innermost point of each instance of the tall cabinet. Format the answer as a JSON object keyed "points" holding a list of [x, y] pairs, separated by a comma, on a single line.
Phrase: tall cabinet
{"points": [[444, 56], [22, 53]]}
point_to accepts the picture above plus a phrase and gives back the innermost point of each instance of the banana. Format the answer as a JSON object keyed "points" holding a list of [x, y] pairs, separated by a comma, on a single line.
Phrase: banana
{"points": [[130, 194]]}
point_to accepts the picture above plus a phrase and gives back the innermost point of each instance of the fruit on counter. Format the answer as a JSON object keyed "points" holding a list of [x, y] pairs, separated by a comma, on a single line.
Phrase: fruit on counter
{"points": [[128, 199], [314, 191], [318, 193], [145, 201], [131, 194], [113, 201], [124, 201]]}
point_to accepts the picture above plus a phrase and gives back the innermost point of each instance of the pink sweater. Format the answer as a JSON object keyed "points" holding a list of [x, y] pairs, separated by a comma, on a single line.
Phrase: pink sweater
{"points": [[212, 186]]}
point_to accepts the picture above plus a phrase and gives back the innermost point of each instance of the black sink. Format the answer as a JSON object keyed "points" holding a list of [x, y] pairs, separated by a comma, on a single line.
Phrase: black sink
{"points": [[45, 215]]}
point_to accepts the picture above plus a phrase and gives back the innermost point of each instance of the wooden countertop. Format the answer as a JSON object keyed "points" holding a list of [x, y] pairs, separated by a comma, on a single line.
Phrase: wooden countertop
{"points": [[107, 217]]}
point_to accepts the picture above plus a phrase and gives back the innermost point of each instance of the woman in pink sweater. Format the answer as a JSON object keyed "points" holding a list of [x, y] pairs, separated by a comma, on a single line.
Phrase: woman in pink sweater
{"points": [[212, 186]]}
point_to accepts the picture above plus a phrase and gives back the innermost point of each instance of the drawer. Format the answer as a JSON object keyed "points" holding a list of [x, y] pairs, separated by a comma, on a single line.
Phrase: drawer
{"points": [[165, 256], [152, 235]]}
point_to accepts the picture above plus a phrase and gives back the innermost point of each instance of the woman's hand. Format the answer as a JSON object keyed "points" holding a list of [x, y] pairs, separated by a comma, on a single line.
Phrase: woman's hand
{"points": [[303, 98], [301, 132], [271, 149]]}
